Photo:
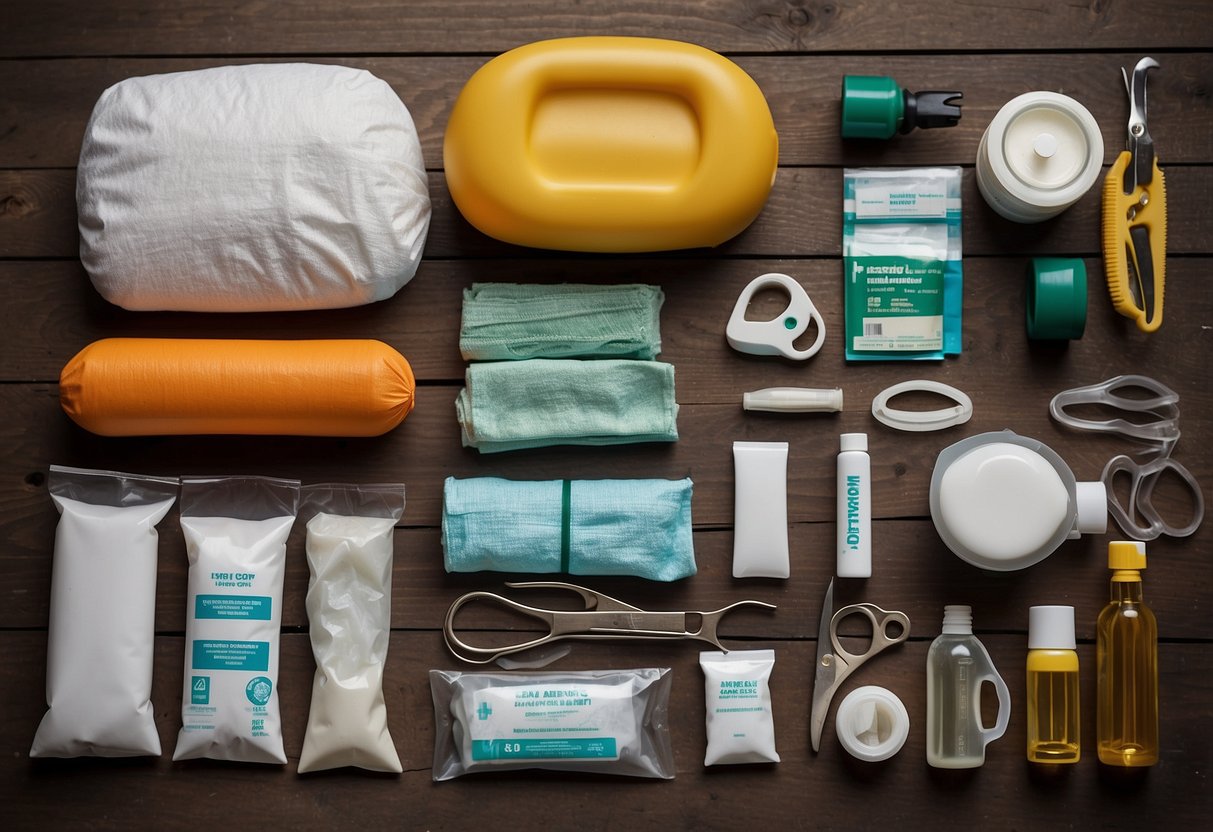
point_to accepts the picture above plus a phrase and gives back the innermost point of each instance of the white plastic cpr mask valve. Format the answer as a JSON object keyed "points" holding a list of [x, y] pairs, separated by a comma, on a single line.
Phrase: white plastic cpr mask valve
{"points": [[1003, 502], [776, 336]]}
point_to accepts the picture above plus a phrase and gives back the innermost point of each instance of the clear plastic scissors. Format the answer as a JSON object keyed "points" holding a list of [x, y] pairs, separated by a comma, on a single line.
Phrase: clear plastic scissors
{"points": [[835, 664], [604, 617], [1161, 435]]}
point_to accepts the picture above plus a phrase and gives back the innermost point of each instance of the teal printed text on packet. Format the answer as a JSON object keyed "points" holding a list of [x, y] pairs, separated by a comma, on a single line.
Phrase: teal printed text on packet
{"points": [[230, 655], [902, 258], [245, 607], [545, 749]]}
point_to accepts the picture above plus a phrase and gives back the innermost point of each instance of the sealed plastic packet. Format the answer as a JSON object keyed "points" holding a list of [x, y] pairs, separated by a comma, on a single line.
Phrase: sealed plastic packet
{"points": [[103, 614], [235, 537], [901, 246], [741, 726], [349, 606], [604, 721]]}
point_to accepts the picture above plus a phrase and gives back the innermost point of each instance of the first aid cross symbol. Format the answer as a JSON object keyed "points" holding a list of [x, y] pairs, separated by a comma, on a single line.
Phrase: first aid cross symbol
{"points": [[484, 711]]}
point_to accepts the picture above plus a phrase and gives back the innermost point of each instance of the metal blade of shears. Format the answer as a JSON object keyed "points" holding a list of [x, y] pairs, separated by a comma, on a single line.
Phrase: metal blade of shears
{"points": [[1141, 170], [1141, 266], [827, 670]]}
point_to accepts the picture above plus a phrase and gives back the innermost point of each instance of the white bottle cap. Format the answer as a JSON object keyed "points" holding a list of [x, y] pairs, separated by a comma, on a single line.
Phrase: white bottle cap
{"points": [[1092, 501], [958, 620], [872, 723], [853, 442], [1051, 628]]}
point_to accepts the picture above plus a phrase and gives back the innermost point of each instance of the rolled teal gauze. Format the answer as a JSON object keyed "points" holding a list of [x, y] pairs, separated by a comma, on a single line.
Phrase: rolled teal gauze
{"points": [[511, 321], [509, 405], [577, 527]]}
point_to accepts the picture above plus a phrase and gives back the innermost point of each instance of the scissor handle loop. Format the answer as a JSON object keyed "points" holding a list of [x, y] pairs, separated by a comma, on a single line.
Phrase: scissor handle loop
{"points": [[484, 655], [880, 620]]}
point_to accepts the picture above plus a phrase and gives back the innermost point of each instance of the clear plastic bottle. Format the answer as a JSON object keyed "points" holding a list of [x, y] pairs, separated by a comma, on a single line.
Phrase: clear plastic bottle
{"points": [[1052, 686], [957, 666], [1127, 661]]}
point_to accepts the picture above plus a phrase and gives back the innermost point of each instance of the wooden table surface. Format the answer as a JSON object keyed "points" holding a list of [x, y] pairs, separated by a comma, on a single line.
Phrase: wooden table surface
{"points": [[56, 57]]}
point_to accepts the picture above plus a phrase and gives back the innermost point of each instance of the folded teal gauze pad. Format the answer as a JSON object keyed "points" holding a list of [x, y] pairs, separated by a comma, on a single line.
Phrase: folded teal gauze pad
{"points": [[578, 527], [512, 321], [508, 405]]}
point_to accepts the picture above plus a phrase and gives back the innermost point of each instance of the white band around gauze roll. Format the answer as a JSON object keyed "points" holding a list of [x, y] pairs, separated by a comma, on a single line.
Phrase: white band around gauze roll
{"points": [[349, 607]]}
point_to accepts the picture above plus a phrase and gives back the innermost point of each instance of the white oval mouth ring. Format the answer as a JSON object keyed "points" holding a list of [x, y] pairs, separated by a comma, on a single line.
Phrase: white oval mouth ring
{"points": [[918, 420]]}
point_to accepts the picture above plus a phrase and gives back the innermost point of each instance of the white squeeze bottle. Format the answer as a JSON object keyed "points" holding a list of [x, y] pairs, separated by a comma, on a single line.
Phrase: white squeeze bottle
{"points": [[854, 507], [957, 666]]}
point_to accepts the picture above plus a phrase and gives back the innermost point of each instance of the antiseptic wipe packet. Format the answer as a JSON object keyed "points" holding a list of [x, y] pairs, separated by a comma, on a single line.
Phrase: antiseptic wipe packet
{"points": [[902, 258], [235, 536], [605, 721], [349, 609], [103, 614]]}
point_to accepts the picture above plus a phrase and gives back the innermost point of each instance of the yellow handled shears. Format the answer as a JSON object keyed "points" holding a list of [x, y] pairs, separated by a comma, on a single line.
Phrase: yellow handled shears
{"points": [[1135, 216]]}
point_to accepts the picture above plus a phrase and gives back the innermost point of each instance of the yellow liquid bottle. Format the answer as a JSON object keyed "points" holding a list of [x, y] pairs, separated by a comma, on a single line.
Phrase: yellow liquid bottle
{"points": [[1127, 661], [1052, 674]]}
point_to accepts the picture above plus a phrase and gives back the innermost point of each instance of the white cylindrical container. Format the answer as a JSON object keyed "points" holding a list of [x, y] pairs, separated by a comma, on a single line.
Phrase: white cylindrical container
{"points": [[1040, 154], [872, 723], [854, 547]]}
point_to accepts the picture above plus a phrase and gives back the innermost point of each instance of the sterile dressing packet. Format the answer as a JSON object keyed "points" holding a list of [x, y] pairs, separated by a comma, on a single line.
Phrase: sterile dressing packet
{"points": [[901, 247], [741, 726], [235, 537], [604, 721], [349, 606], [103, 614]]}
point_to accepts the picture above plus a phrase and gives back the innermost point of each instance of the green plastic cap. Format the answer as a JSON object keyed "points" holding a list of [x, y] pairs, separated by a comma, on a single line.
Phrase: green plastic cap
{"points": [[1057, 298], [873, 106]]}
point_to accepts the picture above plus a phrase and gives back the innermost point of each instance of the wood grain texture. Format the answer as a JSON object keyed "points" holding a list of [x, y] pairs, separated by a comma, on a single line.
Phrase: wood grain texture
{"points": [[142, 27], [57, 56], [42, 118], [802, 218], [904, 791]]}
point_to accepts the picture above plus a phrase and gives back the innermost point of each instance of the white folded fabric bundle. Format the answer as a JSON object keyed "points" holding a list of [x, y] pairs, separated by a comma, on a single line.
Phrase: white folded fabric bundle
{"points": [[251, 188]]}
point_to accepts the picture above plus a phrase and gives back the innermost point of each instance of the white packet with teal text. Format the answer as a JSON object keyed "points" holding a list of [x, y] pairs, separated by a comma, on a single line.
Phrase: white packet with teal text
{"points": [[235, 537]]}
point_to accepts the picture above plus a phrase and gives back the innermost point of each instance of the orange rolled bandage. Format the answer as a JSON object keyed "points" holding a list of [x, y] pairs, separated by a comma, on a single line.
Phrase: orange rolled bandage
{"points": [[158, 386]]}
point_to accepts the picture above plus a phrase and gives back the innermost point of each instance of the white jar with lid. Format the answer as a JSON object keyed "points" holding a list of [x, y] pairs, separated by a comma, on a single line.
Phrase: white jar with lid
{"points": [[1040, 154]]}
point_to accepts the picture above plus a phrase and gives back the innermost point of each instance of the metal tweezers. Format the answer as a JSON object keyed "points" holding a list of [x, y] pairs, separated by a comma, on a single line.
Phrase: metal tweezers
{"points": [[604, 617]]}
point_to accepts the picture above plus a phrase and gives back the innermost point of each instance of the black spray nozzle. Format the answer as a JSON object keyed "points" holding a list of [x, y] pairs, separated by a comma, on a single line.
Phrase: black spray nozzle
{"points": [[930, 109]]}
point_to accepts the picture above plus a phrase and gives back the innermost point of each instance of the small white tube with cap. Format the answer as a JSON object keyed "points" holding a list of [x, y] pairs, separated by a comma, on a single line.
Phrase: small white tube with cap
{"points": [[793, 400], [854, 547]]}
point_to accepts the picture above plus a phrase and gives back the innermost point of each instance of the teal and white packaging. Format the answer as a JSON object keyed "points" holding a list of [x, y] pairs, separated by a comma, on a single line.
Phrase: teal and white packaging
{"points": [[604, 721], [235, 532], [741, 726], [901, 246]]}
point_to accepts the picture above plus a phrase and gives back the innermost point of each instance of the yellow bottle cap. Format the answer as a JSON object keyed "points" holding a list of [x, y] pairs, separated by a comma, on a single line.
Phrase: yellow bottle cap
{"points": [[1126, 554]]}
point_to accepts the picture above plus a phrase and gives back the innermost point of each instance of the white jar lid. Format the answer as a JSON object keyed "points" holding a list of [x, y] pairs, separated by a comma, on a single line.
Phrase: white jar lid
{"points": [[872, 723], [1045, 151], [1002, 501]]}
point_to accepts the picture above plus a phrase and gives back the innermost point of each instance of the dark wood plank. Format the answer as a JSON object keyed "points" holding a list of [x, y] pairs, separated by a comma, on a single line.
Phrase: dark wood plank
{"points": [[53, 312], [49, 101], [802, 218], [831, 789], [912, 572], [125, 27]]}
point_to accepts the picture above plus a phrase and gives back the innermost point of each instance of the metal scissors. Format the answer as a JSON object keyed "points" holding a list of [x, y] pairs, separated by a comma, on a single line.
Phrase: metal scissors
{"points": [[835, 664], [604, 617]]}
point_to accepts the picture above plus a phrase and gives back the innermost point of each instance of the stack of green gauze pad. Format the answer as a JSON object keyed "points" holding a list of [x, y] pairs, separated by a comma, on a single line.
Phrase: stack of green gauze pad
{"points": [[510, 321], [577, 527], [509, 405]]}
